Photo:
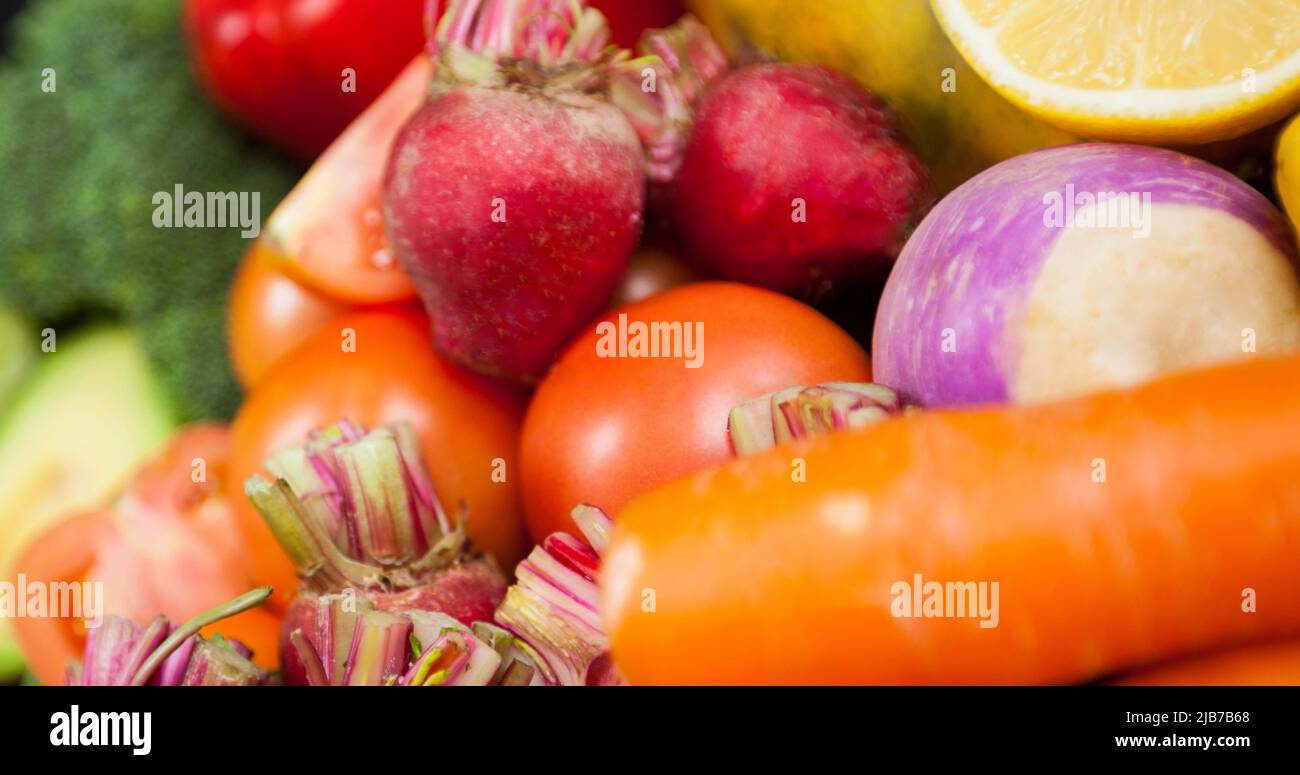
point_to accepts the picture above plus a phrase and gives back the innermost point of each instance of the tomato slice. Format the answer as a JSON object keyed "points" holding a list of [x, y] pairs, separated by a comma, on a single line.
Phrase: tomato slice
{"points": [[328, 232]]}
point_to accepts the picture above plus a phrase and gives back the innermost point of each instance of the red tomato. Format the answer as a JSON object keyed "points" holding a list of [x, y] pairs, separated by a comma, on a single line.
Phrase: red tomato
{"points": [[278, 65], [603, 429], [468, 426], [269, 315]]}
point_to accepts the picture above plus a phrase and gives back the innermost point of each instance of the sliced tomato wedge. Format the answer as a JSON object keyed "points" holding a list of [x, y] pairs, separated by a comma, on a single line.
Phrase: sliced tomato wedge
{"points": [[328, 233]]}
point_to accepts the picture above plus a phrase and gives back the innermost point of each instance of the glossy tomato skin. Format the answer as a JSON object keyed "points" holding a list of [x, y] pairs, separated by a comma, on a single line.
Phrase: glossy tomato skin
{"points": [[466, 424], [602, 430], [277, 65], [269, 315]]}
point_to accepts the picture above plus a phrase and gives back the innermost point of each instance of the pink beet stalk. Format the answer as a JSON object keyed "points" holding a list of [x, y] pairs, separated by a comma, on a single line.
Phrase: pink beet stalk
{"points": [[122, 653], [658, 90], [515, 196], [355, 510], [803, 412], [553, 608]]}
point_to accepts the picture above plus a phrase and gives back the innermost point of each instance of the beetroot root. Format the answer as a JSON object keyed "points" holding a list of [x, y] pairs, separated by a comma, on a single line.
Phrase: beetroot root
{"points": [[797, 179], [514, 213], [515, 196]]}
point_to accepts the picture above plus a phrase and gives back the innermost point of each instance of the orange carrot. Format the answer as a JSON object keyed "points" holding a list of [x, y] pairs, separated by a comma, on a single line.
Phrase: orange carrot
{"points": [[1118, 529], [1270, 664]]}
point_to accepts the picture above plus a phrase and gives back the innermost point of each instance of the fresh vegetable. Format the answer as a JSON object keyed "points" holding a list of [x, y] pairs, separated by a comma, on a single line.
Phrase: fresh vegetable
{"points": [[611, 420], [168, 544], [467, 426], [1121, 529], [328, 233], [122, 653], [802, 412], [298, 71], [514, 197], [554, 608], [74, 431], [821, 191], [81, 166], [1270, 664], [1287, 170], [958, 124], [270, 315], [1078, 268], [1204, 69], [546, 632], [356, 512]]}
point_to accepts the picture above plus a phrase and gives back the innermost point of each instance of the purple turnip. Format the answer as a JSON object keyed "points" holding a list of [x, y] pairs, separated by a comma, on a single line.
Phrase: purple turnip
{"points": [[1082, 267]]}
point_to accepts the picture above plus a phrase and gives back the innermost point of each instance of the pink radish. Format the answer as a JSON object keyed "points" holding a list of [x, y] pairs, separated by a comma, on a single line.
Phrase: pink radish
{"points": [[515, 196]]}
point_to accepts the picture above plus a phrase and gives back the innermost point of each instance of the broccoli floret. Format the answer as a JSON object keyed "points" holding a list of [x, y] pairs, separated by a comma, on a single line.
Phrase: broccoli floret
{"points": [[79, 168]]}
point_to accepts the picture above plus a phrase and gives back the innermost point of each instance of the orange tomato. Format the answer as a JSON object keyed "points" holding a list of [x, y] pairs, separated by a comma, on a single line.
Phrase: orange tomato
{"points": [[269, 315], [604, 429], [379, 367]]}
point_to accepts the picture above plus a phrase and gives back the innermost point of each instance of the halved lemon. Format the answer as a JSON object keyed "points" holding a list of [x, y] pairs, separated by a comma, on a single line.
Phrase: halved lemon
{"points": [[1154, 71]]}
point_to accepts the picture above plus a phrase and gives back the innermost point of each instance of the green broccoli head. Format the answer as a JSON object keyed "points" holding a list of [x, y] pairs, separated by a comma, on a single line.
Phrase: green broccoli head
{"points": [[80, 167]]}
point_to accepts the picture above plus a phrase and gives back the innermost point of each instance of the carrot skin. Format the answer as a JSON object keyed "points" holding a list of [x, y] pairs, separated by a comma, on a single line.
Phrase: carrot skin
{"points": [[1123, 528], [1269, 664]]}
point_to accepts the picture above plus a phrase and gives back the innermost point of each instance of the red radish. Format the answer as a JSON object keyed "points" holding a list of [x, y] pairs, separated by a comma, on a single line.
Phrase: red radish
{"points": [[514, 197], [357, 514], [1083, 267], [797, 179]]}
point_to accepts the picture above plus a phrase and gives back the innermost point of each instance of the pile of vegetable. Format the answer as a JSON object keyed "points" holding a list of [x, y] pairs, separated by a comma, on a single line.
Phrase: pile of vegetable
{"points": [[596, 333]]}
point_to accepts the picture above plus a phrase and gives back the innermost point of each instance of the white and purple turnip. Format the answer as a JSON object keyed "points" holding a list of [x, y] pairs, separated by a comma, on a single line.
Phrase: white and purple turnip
{"points": [[1083, 267]]}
